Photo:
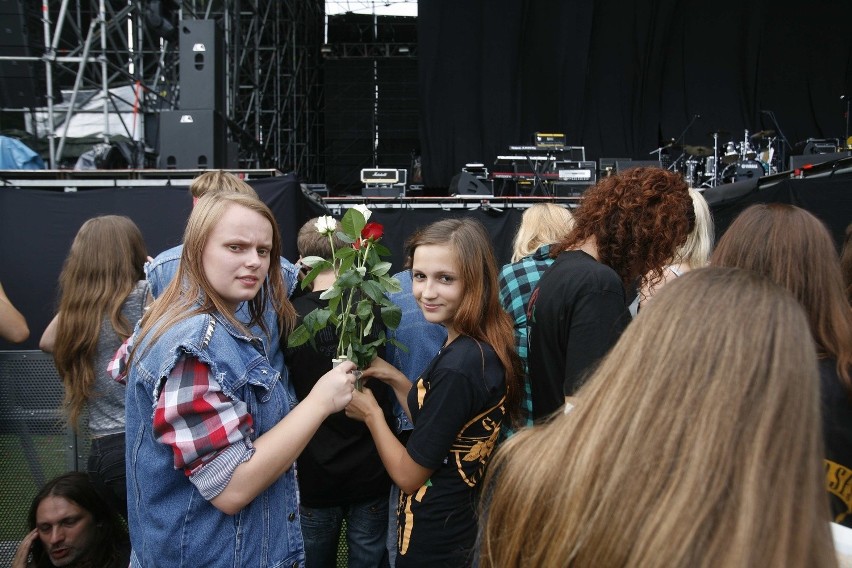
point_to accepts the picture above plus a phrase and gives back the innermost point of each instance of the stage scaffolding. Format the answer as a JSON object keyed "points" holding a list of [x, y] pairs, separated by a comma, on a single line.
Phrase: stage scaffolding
{"points": [[126, 52]]}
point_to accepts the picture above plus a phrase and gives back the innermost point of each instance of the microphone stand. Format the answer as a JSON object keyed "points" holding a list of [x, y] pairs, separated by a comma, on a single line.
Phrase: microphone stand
{"points": [[680, 139], [771, 115], [846, 139]]}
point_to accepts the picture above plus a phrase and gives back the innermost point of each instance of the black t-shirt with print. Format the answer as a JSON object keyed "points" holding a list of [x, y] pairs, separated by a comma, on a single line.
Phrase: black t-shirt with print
{"points": [[457, 407]]}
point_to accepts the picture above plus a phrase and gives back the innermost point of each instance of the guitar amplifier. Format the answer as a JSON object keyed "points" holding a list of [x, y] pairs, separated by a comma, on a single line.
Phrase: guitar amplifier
{"points": [[549, 140], [383, 176], [573, 178]]}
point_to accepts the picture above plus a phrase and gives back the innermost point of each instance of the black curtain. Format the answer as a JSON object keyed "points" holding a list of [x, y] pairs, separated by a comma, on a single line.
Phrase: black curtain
{"points": [[622, 77], [37, 227]]}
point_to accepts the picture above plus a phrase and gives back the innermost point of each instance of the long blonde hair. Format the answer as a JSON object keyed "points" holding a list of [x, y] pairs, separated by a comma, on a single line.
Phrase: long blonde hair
{"points": [[103, 265], [541, 224], [693, 444], [190, 293]]}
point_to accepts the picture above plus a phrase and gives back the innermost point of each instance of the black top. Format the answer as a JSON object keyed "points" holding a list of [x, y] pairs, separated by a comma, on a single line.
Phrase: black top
{"points": [[457, 407], [575, 315], [837, 431], [340, 465]]}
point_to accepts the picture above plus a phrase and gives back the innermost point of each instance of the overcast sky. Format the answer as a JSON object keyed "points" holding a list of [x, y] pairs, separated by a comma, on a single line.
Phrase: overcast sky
{"points": [[381, 7]]}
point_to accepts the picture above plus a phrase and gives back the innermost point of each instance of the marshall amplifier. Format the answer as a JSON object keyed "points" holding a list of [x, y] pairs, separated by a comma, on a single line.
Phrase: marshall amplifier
{"points": [[380, 176]]}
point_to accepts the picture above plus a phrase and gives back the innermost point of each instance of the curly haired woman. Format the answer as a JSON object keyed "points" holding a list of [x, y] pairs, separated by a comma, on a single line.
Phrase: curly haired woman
{"points": [[625, 232]]}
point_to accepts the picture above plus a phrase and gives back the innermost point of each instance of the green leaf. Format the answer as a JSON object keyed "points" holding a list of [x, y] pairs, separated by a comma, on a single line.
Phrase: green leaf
{"points": [[345, 238], [347, 264], [345, 252], [391, 315], [390, 284], [313, 261], [348, 279], [373, 291], [380, 269], [353, 223], [317, 319], [381, 249], [298, 337], [398, 345], [332, 292], [306, 281], [368, 327], [365, 309]]}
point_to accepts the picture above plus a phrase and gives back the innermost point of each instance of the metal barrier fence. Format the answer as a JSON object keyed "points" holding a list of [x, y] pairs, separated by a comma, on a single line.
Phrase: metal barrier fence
{"points": [[36, 444]]}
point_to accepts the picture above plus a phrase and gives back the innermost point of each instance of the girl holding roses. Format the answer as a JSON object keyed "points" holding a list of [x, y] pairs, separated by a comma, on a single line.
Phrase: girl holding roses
{"points": [[460, 402]]}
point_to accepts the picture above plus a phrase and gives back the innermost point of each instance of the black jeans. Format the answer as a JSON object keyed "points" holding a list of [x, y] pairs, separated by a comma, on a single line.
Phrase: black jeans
{"points": [[106, 470]]}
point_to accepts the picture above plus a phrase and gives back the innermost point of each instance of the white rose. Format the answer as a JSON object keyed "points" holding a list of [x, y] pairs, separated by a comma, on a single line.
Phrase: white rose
{"points": [[326, 225], [364, 211]]}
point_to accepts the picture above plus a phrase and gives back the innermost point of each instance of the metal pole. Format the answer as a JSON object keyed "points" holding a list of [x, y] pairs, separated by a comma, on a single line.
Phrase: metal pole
{"points": [[49, 55], [104, 78], [79, 79]]}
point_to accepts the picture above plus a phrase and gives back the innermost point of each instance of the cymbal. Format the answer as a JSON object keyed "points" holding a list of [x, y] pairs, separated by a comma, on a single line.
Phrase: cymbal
{"points": [[721, 133], [698, 151], [763, 134]]}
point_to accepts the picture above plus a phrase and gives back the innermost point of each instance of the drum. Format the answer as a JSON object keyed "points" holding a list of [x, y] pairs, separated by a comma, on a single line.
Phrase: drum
{"points": [[709, 167], [731, 153], [741, 171], [746, 151], [693, 171]]}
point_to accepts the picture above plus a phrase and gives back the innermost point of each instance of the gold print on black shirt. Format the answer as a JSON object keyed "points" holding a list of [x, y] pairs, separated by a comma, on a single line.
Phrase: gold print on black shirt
{"points": [[476, 441]]}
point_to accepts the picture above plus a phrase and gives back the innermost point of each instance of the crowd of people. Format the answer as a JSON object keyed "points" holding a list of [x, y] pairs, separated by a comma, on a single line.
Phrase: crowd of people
{"points": [[620, 394]]}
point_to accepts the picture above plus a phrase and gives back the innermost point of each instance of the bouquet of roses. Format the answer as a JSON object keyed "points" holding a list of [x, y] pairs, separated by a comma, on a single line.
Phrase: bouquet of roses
{"points": [[361, 284]]}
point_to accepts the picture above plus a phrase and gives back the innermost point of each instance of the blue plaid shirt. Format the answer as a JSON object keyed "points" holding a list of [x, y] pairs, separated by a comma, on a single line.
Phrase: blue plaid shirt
{"points": [[517, 282]]}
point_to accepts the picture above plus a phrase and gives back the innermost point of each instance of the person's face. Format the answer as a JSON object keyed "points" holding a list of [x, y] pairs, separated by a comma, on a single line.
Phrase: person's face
{"points": [[236, 256], [436, 284], [65, 529]]}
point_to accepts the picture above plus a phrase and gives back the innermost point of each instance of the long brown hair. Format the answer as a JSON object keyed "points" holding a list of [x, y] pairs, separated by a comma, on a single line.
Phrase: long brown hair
{"points": [[480, 314], [190, 293], [103, 265], [795, 250], [638, 219], [691, 445]]}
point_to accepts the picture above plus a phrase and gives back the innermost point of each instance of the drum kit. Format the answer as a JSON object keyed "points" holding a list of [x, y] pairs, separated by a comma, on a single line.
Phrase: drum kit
{"points": [[753, 156]]}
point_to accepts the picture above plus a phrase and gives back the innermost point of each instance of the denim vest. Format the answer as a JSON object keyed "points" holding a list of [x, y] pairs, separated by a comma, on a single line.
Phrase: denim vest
{"points": [[160, 272], [170, 523]]}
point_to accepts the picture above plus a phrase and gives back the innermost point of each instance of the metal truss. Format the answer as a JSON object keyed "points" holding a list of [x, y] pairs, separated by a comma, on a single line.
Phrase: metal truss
{"points": [[272, 51]]}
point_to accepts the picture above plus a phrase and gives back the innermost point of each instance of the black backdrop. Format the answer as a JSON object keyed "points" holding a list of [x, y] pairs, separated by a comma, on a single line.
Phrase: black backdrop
{"points": [[618, 77], [37, 225]]}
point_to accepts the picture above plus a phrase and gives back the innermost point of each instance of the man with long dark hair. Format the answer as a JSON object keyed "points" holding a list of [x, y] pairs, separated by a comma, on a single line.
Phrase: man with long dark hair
{"points": [[72, 525]]}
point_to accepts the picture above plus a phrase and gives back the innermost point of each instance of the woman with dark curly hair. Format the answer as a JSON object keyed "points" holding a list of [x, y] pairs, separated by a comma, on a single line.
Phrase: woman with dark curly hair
{"points": [[625, 231]]}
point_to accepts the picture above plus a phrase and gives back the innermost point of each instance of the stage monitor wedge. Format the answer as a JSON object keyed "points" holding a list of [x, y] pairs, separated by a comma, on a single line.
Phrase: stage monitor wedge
{"points": [[465, 184]]}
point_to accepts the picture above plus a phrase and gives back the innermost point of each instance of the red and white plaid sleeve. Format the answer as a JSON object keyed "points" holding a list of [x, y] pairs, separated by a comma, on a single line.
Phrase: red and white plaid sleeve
{"points": [[207, 431]]}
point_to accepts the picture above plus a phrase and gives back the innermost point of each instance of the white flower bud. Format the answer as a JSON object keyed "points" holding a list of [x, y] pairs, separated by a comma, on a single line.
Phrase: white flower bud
{"points": [[364, 211], [326, 225]]}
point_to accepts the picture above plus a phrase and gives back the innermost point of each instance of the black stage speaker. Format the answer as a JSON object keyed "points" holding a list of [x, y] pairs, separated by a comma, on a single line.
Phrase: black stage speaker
{"points": [[191, 139], [202, 66], [465, 184], [22, 83], [797, 162]]}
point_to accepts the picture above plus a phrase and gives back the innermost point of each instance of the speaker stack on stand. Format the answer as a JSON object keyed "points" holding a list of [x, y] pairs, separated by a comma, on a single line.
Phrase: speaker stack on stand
{"points": [[195, 137]]}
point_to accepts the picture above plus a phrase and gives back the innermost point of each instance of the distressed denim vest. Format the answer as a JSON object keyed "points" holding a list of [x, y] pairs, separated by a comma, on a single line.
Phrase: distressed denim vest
{"points": [[171, 524], [162, 270]]}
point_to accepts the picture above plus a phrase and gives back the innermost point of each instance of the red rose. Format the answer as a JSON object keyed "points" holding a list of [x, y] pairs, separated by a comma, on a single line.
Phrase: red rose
{"points": [[357, 244], [372, 230]]}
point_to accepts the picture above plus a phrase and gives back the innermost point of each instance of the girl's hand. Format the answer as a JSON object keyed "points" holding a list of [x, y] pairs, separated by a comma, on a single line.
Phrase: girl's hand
{"points": [[382, 370], [334, 389], [23, 552], [362, 405]]}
